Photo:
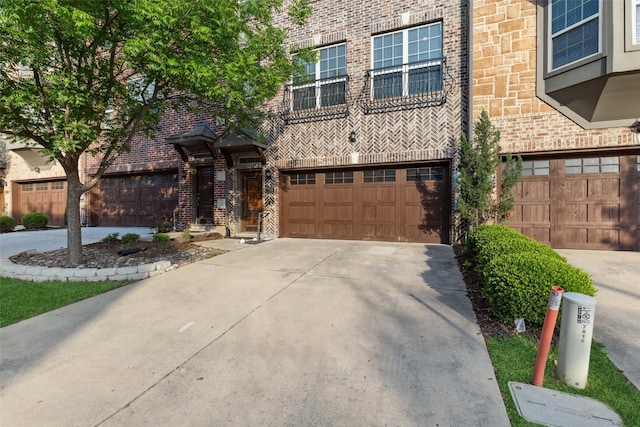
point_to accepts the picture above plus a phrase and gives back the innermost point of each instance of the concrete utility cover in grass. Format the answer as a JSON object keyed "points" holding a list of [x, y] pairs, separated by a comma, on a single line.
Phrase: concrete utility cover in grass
{"points": [[554, 408]]}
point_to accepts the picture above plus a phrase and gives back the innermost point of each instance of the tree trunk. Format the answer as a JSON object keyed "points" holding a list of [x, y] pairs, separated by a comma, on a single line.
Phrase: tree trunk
{"points": [[74, 231]]}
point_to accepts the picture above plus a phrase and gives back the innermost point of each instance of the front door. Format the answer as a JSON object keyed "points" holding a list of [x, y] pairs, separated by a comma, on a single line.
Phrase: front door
{"points": [[251, 200], [204, 203]]}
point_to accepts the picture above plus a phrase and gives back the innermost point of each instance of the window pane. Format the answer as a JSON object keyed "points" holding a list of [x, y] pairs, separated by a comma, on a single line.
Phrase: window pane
{"points": [[610, 160], [575, 44], [424, 80], [333, 94], [387, 85], [541, 171], [591, 169], [574, 170], [573, 162], [638, 23], [591, 161], [304, 98]]}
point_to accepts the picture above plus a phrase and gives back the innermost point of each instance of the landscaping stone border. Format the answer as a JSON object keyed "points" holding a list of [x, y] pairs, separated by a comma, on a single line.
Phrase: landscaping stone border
{"points": [[41, 274]]}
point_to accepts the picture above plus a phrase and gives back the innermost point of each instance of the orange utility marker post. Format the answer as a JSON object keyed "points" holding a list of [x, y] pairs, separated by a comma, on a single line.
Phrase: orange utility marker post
{"points": [[547, 334]]}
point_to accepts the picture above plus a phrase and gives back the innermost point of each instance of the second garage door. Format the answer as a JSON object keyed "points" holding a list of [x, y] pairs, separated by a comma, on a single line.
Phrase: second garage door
{"points": [[580, 203], [387, 204], [134, 200]]}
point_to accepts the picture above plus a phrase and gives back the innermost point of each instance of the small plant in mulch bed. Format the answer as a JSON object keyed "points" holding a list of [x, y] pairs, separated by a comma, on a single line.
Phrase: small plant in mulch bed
{"points": [[161, 237], [130, 238], [111, 238]]}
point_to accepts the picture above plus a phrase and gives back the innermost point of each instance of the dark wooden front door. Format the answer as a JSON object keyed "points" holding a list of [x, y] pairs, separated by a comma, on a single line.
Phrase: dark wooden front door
{"points": [[251, 200], [205, 195]]}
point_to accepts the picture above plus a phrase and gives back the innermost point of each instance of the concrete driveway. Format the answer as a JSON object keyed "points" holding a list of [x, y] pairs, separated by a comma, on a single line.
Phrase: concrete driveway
{"points": [[286, 332], [617, 277]]}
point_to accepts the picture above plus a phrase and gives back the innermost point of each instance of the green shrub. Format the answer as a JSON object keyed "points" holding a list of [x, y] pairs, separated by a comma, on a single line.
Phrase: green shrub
{"points": [[111, 238], [161, 226], [130, 238], [508, 245], [161, 237], [7, 224], [186, 234], [482, 234], [517, 285], [35, 220]]}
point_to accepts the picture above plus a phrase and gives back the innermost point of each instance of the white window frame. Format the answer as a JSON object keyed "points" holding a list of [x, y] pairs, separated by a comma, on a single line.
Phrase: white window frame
{"points": [[551, 36], [635, 19], [318, 82], [405, 67]]}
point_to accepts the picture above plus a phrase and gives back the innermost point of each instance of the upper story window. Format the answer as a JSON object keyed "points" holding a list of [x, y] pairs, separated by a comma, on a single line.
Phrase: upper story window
{"points": [[575, 31], [323, 83], [407, 62]]}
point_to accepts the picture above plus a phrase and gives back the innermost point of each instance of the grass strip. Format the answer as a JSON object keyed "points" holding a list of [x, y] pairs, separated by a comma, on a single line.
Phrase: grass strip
{"points": [[513, 359], [20, 299]]}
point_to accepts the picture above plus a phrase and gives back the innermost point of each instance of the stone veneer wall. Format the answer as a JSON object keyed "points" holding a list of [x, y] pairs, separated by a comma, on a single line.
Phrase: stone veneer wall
{"points": [[414, 135], [504, 84]]}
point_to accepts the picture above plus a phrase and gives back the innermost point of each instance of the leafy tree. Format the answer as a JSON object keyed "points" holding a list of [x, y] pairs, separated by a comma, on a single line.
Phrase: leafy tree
{"points": [[67, 65], [479, 161]]}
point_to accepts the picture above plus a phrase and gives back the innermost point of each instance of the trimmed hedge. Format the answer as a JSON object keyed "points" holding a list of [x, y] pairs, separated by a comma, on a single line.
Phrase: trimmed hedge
{"points": [[482, 234], [35, 220], [7, 224], [517, 273], [495, 248], [517, 285]]}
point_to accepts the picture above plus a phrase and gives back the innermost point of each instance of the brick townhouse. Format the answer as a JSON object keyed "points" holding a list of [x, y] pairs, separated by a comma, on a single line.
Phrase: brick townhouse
{"points": [[363, 145], [561, 81], [360, 147]]}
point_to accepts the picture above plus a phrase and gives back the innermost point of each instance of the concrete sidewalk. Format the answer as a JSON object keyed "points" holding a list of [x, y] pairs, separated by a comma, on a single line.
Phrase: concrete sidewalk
{"points": [[617, 277], [286, 332]]}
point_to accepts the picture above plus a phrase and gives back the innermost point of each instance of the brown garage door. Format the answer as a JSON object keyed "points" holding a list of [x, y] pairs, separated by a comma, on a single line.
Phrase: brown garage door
{"points": [[390, 204], [579, 203], [134, 200], [48, 197]]}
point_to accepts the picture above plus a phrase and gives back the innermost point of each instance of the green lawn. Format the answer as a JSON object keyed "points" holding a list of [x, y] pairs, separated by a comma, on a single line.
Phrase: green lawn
{"points": [[20, 300], [513, 360]]}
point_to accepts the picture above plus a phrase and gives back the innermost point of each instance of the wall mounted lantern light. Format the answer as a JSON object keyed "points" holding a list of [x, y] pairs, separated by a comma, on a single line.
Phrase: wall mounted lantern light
{"points": [[352, 136], [267, 174]]}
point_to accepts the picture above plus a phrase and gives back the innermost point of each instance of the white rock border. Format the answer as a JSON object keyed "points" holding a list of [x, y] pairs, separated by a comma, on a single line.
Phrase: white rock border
{"points": [[42, 274]]}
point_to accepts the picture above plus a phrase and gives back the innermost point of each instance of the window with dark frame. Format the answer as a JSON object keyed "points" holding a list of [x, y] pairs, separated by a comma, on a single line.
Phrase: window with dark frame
{"points": [[592, 165], [343, 177], [380, 175], [303, 178], [535, 167], [57, 185], [42, 186], [425, 174], [27, 187]]}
